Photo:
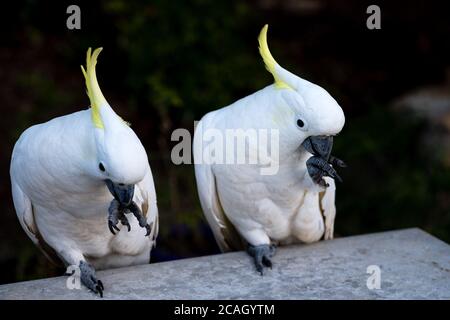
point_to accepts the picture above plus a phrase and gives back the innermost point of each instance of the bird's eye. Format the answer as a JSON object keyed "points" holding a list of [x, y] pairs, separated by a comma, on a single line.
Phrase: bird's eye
{"points": [[101, 167], [300, 123]]}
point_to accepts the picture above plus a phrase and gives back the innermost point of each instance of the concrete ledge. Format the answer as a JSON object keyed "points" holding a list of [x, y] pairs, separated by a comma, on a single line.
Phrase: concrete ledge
{"points": [[414, 265]]}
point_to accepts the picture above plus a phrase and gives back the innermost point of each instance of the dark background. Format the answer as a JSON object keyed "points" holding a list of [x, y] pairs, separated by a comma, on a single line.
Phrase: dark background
{"points": [[166, 63]]}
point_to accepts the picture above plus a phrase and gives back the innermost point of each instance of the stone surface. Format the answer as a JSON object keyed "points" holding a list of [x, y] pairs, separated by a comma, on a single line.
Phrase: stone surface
{"points": [[414, 265]]}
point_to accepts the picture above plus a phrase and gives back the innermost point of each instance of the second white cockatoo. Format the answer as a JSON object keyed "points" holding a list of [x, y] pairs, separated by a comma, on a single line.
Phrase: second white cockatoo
{"points": [[248, 209], [75, 177]]}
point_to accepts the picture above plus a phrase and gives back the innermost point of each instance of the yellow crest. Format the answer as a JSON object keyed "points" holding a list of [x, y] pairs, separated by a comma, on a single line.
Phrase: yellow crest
{"points": [[93, 90], [269, 61]]}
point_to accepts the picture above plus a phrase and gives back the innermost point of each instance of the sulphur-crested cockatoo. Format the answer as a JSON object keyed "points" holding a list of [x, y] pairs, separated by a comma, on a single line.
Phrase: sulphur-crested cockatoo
{"points": [[75, 177], [247, 207]]}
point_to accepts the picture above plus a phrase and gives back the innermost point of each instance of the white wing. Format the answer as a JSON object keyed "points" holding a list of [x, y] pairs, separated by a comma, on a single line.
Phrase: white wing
{"points": [[328, 208], [225, 234], [145, 198], [25, 214]]}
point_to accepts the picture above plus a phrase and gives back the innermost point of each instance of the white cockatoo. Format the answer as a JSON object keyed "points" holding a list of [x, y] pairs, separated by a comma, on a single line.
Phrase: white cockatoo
{"points": [[75, 177], [245, 207]]}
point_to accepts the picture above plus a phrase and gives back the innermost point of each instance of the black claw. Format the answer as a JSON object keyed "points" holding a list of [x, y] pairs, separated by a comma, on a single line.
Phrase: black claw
{"points": [[114, 214], [111, 227], [337, 162], [259, 268], [318, 168], [261, 255], [148, 227], [124, 221], [322, 162], [267, 262], [100, 284], [329, 171], [99, 290], [140, 217], [89, 280], [117, 213]]}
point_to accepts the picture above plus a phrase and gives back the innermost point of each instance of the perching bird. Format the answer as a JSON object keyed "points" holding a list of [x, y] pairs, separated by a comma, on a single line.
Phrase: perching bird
{"points": [[246, 208], [75, 177]]}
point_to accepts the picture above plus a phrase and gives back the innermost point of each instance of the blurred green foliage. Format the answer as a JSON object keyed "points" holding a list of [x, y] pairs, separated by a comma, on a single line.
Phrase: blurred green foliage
{"points": [[205, 52], [393, 183]]}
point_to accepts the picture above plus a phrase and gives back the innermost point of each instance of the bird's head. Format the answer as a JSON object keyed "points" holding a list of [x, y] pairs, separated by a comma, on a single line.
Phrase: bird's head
{"points": [[305, 113], [121, 160]]}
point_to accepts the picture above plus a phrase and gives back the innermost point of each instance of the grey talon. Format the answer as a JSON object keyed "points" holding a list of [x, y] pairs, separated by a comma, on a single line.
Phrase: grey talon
{"points": [[322, 162], [124, 221], [139, 216], [337, 162], [267, 262], [319, 168], [121, 204], [88, 278], [116, 214], [149, 229], [111, 227], [100, 284], [261, 255]]}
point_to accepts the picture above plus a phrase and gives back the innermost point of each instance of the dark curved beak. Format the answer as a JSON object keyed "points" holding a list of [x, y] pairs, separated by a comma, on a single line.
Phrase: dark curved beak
{"points": [[121, 192], [319, 146]]}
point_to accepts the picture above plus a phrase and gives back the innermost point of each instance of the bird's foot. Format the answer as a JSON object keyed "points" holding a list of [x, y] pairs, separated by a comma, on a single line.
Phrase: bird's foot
{"points": [[89, 279], [319, 168], [140, 217], [261, 255], [115, 214]]}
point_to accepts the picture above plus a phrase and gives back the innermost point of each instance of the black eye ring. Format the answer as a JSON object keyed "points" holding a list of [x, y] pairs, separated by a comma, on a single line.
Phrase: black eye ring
{"points": [[101, 167], [300, 123]]}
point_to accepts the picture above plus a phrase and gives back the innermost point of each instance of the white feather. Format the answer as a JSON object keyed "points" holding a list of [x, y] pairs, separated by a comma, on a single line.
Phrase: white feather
{"points": [[269, 208], [60, 196]]}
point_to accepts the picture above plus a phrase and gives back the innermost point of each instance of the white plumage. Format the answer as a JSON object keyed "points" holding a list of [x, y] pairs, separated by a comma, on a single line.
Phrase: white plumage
{"points": [[242, 205], [60, 194]]}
